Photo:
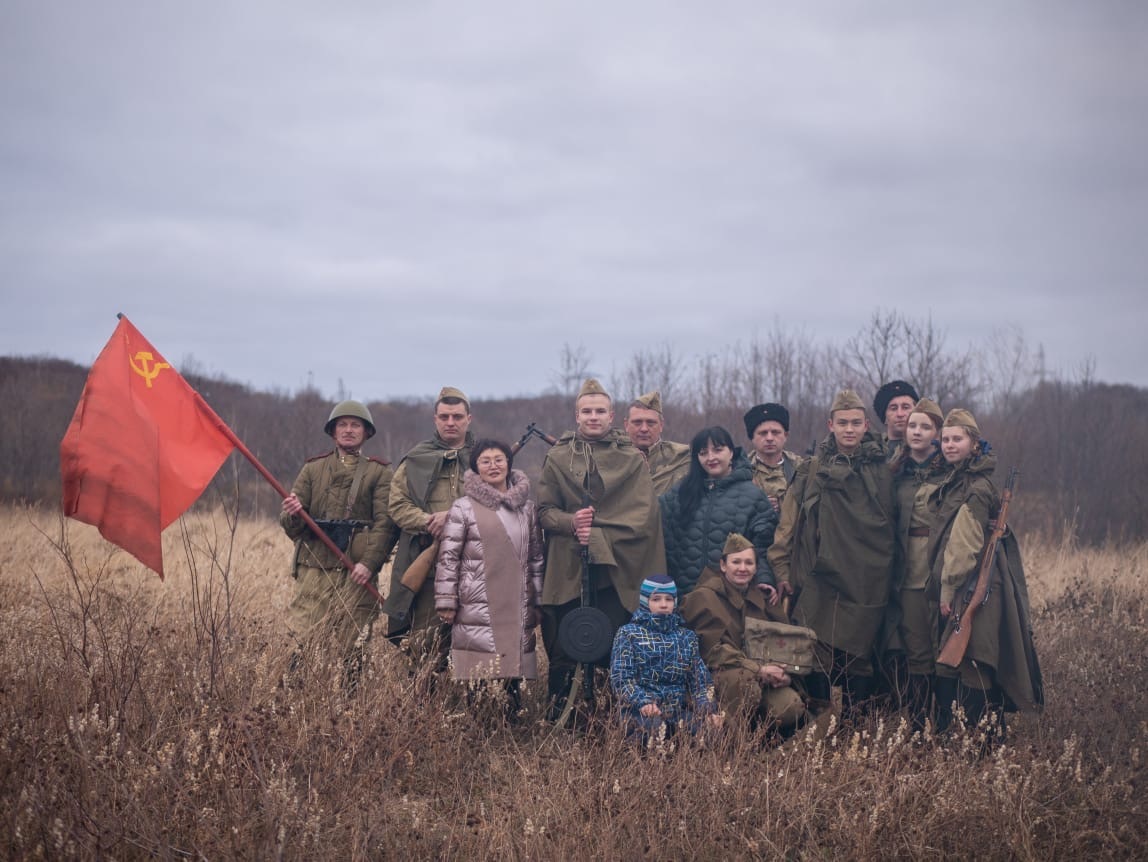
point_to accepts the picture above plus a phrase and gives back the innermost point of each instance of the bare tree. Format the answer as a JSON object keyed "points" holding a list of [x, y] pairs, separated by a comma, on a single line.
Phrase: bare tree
{"points": [[875, 353], [934, 369], [1007, 366], [573, 368], [648, 369]]}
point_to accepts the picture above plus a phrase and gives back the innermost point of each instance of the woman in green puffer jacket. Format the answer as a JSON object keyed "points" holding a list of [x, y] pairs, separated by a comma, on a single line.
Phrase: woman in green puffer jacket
{"points": [[717, 497]]}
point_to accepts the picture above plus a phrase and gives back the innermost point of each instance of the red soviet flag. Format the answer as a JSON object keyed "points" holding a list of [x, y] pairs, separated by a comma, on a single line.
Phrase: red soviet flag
{"points": [[141, 448]]}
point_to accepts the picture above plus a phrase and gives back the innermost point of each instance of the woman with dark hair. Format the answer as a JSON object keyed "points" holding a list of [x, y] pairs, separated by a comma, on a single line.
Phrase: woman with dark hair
{"points": [[999, 672], [717, 497], [488, 579]]}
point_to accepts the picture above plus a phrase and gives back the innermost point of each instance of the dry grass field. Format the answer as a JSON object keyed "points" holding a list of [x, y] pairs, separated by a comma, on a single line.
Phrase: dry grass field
{"points": [[149, 719]]}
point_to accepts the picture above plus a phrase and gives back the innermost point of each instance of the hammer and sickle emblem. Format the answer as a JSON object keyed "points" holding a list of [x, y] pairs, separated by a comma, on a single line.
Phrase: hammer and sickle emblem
{"points": [[147, 368]]}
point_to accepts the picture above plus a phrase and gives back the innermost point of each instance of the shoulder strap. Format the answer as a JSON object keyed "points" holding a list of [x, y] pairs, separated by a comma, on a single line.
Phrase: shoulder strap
{"points": [[787, 469], [353, 491]]}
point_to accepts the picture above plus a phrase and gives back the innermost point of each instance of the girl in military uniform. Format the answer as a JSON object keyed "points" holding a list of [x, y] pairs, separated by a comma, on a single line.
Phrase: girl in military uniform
{"points": [[999, 672], [912, 621]]}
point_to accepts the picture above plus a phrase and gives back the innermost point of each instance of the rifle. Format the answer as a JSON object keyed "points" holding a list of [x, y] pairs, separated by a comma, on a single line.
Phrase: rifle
{"points": [[421, 566], [532, 430], [953, 651]]}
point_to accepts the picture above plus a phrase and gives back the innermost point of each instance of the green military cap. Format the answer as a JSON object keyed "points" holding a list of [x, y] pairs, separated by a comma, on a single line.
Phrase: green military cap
{"points": [[592, 387], [735, 544], [931, 409], [847, 399], [453, 394], [649, 401], [960, 416]]}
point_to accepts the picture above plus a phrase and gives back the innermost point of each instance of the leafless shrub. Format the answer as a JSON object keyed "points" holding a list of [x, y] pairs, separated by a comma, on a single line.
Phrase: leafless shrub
{"points": [[121, 736]]}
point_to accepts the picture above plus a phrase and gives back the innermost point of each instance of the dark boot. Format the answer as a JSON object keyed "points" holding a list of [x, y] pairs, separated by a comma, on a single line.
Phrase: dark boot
{"points": [[919, 699], [513, 699], [973, 702], [558, 681], [946, 693], [856, 697], [818, 688]]}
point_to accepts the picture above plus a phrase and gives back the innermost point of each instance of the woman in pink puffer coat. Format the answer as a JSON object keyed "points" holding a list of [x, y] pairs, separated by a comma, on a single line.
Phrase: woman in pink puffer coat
{"points": [[488, 578]]}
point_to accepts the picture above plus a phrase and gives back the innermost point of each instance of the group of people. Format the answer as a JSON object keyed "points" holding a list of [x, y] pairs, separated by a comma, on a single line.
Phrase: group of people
{"points": [[862, 553]]}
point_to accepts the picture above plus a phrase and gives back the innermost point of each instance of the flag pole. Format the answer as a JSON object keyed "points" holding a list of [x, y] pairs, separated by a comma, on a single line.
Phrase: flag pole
{"points": [[281, 491]]}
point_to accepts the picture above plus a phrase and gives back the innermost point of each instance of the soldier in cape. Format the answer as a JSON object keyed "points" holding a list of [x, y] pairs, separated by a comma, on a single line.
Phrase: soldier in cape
{"points": [[347, 492], [595, 490], [835, 549], [428, 480], [774, 466], [1000, 671], [668, 462]]}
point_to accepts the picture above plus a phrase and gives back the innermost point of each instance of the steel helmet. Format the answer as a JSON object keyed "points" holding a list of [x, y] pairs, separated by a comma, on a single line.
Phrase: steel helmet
{"points": [[356, 409]]}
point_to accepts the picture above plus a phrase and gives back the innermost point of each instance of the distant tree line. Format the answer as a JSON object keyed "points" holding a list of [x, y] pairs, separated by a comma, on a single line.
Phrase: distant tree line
{"points": [[1076, 440]]}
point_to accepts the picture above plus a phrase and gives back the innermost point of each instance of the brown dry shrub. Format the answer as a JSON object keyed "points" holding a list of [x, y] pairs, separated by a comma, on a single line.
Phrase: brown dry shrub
{"points": [[142, 718]]}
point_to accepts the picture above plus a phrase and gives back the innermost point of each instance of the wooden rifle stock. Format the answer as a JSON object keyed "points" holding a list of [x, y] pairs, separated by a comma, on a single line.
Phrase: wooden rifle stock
{"points": [[416, 574], [953, 650]]}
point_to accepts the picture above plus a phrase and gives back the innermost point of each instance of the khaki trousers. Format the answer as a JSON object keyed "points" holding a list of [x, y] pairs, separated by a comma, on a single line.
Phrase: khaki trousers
{"points": [[739, 691], [329, 602]]}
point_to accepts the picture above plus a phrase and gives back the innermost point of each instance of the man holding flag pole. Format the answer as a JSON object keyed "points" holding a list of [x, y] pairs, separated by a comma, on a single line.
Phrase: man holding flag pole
{"points": [[347, 493]]}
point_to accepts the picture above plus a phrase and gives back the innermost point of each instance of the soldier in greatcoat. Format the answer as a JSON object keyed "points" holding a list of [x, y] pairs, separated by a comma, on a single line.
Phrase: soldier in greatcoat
{"points": [[1000, 671], [835, 548], [595, 490]]}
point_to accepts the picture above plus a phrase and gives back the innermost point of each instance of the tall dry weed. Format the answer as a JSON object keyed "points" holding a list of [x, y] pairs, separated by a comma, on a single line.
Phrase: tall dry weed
{"points": [[142, 718]]}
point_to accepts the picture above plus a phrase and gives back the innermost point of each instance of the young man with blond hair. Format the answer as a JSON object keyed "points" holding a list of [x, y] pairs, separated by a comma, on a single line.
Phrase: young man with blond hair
{"points": [[595, 491]]}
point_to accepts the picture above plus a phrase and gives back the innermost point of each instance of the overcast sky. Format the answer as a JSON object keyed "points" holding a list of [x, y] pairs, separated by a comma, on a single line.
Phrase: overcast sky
{"points": [[403, 195]]}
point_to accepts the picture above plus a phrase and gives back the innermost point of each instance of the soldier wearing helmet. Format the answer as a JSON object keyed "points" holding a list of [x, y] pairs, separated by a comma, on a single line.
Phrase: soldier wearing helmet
{"points": [[347, 492]]}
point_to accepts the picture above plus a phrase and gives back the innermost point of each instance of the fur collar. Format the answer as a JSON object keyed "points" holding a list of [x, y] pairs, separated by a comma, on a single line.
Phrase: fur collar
{"points": [[513, 498]]}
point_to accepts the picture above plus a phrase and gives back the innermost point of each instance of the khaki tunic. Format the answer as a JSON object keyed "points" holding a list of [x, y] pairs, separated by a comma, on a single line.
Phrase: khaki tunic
{"points": [[324, 591], [428, 480], [775, 480], [913, 617], [669, 463], [717, 610]]}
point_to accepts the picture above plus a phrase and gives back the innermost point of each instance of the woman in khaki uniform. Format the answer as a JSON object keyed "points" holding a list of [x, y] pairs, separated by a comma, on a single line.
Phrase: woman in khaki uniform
{"points": [[716, 610], [913, 610], [1000, 671]]}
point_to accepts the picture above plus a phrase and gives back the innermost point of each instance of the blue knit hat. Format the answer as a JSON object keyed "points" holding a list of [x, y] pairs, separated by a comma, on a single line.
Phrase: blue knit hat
{"points": [[657, 584]]}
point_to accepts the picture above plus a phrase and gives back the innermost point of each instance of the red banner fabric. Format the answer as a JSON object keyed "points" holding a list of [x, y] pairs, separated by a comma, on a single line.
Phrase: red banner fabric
{"points": [[141, 448]]}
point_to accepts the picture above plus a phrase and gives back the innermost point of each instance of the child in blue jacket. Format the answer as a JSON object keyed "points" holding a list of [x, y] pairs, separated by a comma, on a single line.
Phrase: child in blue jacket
{"points": [[656, 668]]}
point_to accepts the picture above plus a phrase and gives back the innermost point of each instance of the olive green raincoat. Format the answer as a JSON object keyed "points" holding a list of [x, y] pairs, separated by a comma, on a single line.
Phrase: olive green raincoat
{"points": [[669, 463], [1001, 649], [626, 538], [836, 544]]}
